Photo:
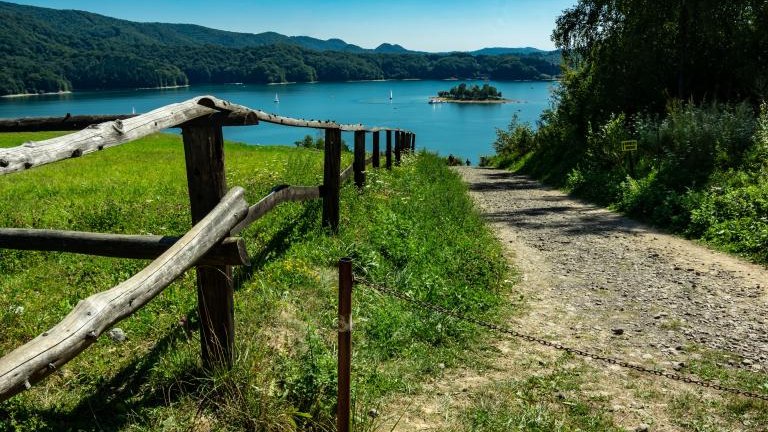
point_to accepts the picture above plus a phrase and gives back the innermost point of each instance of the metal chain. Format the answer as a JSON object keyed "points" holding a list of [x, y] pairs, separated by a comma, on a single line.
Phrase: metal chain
{"points": [[610, 360]]}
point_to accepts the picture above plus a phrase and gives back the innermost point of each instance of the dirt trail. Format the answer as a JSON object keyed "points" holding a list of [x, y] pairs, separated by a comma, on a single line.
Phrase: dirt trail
{"points": [[588, 274]]}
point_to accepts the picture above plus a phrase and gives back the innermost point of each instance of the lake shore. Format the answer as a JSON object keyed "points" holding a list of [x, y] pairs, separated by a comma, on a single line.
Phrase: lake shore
{"points": [[21, 95], [164, 87], [459, 101]]}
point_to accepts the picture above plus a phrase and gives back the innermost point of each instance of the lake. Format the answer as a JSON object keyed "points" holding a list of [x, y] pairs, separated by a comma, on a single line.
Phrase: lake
{"points": [[464, 130]]}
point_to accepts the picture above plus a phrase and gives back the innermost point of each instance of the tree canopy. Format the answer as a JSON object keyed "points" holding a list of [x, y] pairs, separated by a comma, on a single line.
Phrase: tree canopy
{"points": [[475, 92]]}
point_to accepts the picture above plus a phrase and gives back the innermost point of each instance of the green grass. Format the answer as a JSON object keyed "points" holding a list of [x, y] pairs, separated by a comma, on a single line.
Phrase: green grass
{"points": [[548, 401], [413, 229]]}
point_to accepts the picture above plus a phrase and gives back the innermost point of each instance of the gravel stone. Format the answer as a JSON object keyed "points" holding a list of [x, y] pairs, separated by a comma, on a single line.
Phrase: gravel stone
{"points": [[597, 266]]}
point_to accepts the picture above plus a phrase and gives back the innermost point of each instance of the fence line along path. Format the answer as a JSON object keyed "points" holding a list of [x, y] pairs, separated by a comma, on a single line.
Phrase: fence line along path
{"points": [[218, 215]]}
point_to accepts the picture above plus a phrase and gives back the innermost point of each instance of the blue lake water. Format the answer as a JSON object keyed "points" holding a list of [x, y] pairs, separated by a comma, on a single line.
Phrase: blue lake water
{"points": [[464, 130]]}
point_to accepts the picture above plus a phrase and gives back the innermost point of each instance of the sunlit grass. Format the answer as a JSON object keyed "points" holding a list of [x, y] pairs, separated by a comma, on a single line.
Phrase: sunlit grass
{"points": [[413, 229]]}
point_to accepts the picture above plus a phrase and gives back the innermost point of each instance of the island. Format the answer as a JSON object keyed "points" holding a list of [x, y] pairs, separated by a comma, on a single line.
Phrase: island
{"points": [[474, 94]]}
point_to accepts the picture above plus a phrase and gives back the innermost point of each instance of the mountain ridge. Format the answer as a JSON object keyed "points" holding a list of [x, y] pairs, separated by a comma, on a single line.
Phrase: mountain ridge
{"points": [[49, 50], [186, 33]]}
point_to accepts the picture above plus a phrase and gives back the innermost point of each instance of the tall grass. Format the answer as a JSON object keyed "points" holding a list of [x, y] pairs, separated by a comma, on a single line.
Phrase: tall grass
{"points": [[412, 228]]}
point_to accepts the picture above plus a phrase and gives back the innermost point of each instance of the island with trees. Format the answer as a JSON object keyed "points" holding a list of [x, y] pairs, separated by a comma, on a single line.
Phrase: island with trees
{"points": [[466, 94]]}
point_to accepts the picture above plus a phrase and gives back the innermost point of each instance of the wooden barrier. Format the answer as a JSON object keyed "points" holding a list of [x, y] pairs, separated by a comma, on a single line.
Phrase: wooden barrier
{"points": [[376, 151], [206, 179], [359, 159], [231, 251], [93, 315], [279, 194], [216, 216], [331, 181]]}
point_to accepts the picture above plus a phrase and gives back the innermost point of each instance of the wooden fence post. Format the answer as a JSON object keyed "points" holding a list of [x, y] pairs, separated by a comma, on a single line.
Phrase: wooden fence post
{"points": [[398, 146], [376, 150], [358, 164], [407, 143], [413, 143], [204, 154], [331, 180], [388, 153]]}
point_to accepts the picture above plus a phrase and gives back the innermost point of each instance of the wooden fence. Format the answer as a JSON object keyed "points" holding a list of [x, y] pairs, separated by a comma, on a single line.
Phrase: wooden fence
{"points": [[218, 215]]}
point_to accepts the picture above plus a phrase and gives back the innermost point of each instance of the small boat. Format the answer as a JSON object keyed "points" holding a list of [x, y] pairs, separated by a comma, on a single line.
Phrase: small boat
{"points": [[434, 100], [390, 95], [277, 99]]}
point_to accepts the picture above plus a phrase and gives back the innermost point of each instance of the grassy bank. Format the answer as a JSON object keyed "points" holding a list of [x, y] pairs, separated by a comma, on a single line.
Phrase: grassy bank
{"points": [[700, 171], [413, 229]]}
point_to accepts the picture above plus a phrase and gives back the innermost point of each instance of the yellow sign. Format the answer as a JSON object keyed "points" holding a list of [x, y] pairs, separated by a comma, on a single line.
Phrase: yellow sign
{"points": [[630, 145]]}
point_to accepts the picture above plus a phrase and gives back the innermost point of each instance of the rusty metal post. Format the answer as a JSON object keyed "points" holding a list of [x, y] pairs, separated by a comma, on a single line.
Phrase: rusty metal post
{"points": [[388, 153], [345, 344]]}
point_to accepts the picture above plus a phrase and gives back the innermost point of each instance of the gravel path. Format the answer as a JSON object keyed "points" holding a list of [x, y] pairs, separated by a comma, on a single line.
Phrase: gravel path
{"points": [[595, 280], [608, 274]]}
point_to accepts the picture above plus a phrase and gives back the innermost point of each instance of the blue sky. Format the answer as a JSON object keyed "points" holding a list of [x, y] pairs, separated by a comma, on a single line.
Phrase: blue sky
{"points": [[444, 25]]}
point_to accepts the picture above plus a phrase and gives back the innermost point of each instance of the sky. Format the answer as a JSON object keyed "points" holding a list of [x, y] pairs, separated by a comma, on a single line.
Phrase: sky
{"points": [[422, 25]]}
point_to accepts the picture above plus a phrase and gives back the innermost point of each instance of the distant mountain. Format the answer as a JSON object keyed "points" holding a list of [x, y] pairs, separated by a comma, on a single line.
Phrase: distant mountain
{"points": [[45, 50], [501, 51], [66, 21], [387, 48]]}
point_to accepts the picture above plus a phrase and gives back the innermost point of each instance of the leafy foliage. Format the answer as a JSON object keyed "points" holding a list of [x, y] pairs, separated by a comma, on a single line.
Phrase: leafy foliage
{"points": [[685, 79]]}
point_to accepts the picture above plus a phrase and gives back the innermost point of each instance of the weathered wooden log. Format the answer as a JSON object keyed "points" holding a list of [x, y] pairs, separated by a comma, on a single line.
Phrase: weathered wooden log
{"points": [[95, 314], [279, 194], [120, 129], [223, 105], [346, 173], [376, 150], [331, 180], [99, 137], [358, 164], [230, 251], [388, 152], [66, 123], [207, 183]]}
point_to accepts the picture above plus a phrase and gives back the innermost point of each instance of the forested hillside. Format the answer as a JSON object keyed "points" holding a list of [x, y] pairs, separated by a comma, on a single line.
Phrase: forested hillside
{"points": [[688, 81], [47, 50]]}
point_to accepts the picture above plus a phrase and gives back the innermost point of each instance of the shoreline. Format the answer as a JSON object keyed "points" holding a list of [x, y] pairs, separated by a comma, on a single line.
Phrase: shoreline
{"points": [[486, 101], [21, 95], [163, 87]]}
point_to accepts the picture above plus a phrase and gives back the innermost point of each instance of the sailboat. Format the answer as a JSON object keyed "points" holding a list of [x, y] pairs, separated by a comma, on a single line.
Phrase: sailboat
{"points": [[277, 99], [390, 95]]}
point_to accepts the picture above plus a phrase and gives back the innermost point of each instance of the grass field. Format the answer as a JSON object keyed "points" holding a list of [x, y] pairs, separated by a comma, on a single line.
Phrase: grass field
{"points": [[413, 229]]}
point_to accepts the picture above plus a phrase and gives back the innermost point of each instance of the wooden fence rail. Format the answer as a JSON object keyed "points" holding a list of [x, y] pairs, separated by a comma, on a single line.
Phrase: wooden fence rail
{"points": [[231, 250], [217, 216], [95, 314]]}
